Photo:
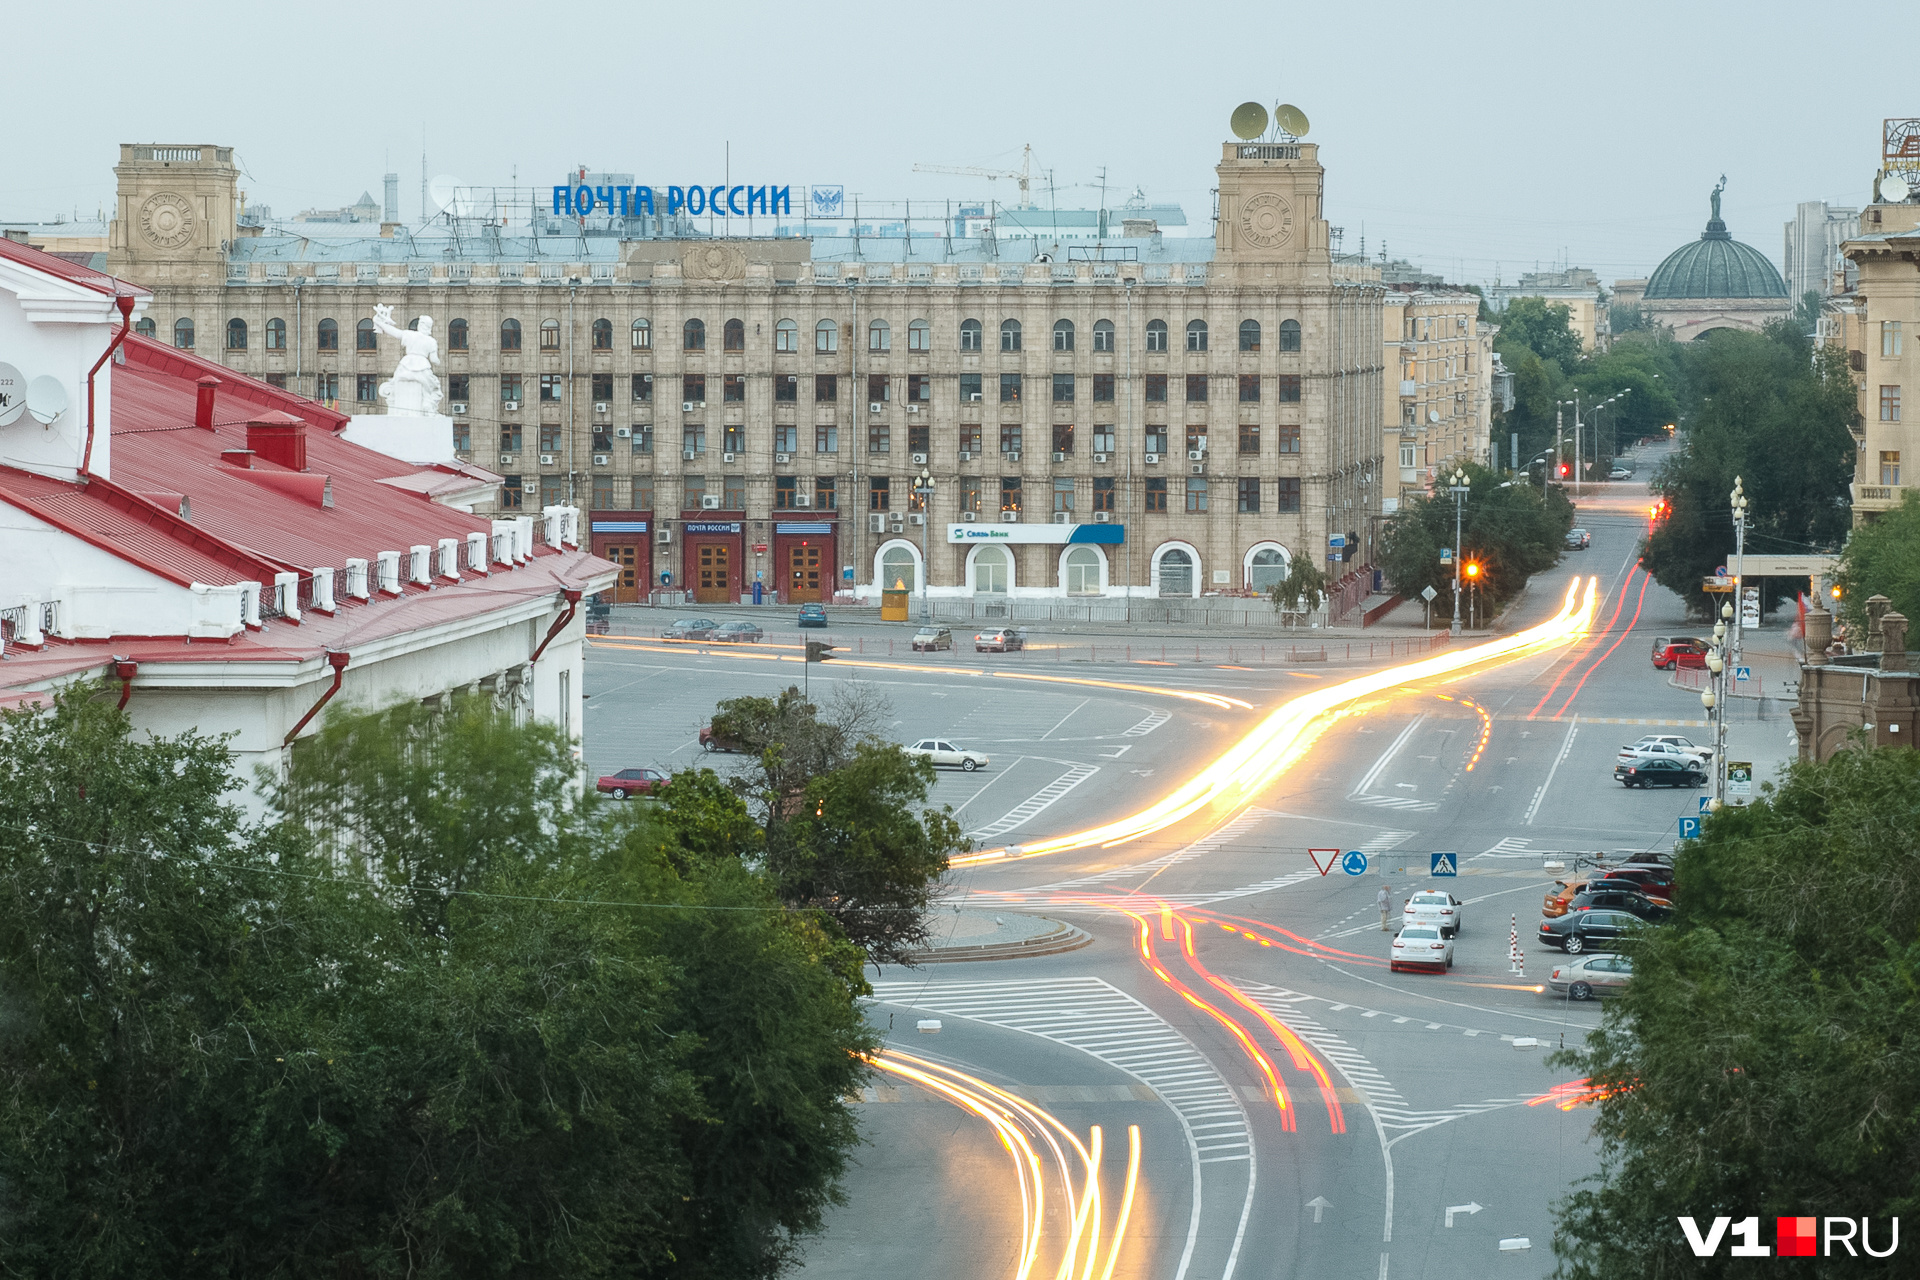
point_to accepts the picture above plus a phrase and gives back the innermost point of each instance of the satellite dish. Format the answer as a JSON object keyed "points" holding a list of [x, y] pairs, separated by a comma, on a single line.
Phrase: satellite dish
{"points": [[13, 393], [448, 195], [1894, 189], [46, 398], [1249, 121], [1433, 415], [1291, 119]]}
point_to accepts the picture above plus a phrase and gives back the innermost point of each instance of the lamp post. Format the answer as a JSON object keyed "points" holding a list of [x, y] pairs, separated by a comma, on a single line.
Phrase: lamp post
{"points": [[1714, 699], [1460, 489], [1738, 501], [923, 489]]}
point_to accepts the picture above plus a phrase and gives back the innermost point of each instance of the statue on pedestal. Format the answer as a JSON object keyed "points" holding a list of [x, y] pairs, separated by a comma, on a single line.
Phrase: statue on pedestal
{"points": [[414, 389]]}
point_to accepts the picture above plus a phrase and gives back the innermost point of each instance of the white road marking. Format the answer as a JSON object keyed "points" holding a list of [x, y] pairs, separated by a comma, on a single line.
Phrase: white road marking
{"points": [[1565, 747], [1037, 803], [1148, 725]]}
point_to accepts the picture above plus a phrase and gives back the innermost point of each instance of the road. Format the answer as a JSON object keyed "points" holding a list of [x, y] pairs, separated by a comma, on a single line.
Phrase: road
{"points": [[1301, 1110]]}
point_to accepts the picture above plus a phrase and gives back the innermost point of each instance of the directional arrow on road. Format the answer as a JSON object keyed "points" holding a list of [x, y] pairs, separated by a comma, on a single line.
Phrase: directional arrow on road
{"points": [[1462, 1208], [1320, 1204]]}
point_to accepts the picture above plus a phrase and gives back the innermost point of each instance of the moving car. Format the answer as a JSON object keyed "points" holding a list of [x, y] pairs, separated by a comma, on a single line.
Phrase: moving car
{"points": [[739, 633], [1578, 540], [1630, 901], [1579, 931], [689, 629], [631, 782], [1004, 640], [1661, 771], [1666, 744], [1435, 907], [942, 752], [1679, 651], [1421, 946], [1620, 473], [927, 639], [1593, 976], [813, 615], [1563, 892]]}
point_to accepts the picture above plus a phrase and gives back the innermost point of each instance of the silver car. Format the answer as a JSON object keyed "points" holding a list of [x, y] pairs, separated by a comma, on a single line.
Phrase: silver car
{"points": [[1584, 977], [945, 753]]}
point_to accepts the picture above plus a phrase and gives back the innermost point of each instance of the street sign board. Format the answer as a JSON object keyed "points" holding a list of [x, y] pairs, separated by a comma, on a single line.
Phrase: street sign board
{"points": [[1739, 777], [1337, 540], [1706, 803], [1446, 555], [1427, 594], [1443, 864], [1689, 828], [1355, 863], [1743, 673], [1323, 864]]}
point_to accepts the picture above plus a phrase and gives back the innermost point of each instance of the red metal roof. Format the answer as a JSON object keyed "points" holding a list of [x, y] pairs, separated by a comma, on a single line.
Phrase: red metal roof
{"points": [[133, 530], [66, 269]]}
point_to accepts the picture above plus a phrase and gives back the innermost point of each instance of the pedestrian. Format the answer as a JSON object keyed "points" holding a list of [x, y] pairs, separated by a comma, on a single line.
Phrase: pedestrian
{"points": [[1385, 899]]}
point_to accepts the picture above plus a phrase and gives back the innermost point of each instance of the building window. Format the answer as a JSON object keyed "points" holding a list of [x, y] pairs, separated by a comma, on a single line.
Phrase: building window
{"points": [[642, 493], [462, 432], [786, 389], [549, 335], [920, 337], [510, 389], [826, 388], [553, 490], [879, 438], [1103, 438], [1063, 388], [1408, 460], [733, 336], [693, 389], [643, 437], [1889, 466], [1010, 335], [510, 438], [457, 335], [602, 385], [785, 488], [1102, 386], [786, 337], [1267, 570], [969, 387], [826, 493], [1197, 439], [1156, 495], [1156, 439], [734, 389], [879, 493], [1288, 498], [1156, 335], [1889, 337], [1196, 387], [693, 437], [642, 388], [879, 337], [460, 387], [276, 335], [1156, 388], [1249, 388], [509, 334], [366, 337], [826, 439], [145, 327], [1889, 396], [1288, 388], [693, 493], [602, 493], [326, 387], [693, 336], [1063, 438], [183, 333], [826, 338], [1249, 335], [1196, 335], [642, 335], [733, 491], [1249, 495], [550, 384], [786, 438], [1289, 335], [1011, 491], [969, 335], [1103, 488], [733, 438], [1249, 437], [366, 387], [1063, 495], [510, 492], [1063, 335], [1287, 437], [990, 570], [327, 338], [919, 438], [1010, 438], [603, 335], [879, 388], [919, 388], [969, 493], [1009, 388], [1103, 336], [236, 334]]}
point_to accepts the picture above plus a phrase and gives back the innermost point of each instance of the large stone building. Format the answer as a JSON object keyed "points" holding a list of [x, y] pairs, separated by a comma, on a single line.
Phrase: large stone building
{"points": [[1715, 282], [1877, 323], [1811, 253], [1439, 409], [1133, 415]]}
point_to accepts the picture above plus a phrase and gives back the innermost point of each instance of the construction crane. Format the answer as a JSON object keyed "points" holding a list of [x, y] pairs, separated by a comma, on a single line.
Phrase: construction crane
{"points": [[1023, 175]]}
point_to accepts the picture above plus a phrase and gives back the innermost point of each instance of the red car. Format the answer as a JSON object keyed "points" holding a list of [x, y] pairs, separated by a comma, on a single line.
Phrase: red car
{"points": [[1681, 652], [631, 782]]}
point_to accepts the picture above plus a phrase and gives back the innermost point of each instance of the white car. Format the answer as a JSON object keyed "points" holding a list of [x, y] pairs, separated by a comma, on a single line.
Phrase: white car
{"points": [[1421, 946], [942, 752], [1435, 907], [1671, 745], [1584, 977]]}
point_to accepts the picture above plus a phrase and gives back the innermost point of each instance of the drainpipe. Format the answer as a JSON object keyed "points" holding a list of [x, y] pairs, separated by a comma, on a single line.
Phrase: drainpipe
{"points": [[572, 598], [124, 670], [125, 302], [337, 659], [572, 291]]}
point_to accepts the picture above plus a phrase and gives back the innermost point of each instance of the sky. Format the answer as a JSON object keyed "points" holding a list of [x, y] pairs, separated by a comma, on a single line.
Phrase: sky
{"points": [[1479, 140]]}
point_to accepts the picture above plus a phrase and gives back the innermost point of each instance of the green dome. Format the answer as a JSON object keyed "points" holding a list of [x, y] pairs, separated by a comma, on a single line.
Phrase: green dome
{"points": [[1715, 266]]}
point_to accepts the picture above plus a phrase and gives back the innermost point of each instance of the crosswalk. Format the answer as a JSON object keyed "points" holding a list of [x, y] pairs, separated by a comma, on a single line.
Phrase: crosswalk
{"points": [[1399, 803], [1030, 808], [1148, 725], [1103, 1022]]}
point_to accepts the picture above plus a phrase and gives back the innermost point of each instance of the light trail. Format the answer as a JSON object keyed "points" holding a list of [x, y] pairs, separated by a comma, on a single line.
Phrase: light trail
{"points": [[1575, 661], [1251, 764], [1632, 622]]}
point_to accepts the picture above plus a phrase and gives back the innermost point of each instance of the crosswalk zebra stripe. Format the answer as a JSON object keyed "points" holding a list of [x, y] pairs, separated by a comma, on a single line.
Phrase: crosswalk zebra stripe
{"points": [[1036, 804]]}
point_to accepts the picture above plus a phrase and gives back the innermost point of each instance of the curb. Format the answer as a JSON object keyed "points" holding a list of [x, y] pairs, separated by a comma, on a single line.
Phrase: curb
{"points": [[1062, 937]]}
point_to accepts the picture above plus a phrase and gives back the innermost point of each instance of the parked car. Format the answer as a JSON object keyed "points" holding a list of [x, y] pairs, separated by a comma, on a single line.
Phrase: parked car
{"points": [[1591, 976], [712, 741], [1659, 744], [1005, 640], [1421, 946], [1659, 895], [739, 633], [1660, 771], [927, 639], [631, 782], [1563, 892], [1435, 907], [1630, 901], [1655, 879], [1578, 540], [813, 615], [1579, 931], [689, 629], [1679, 651], [942, 752]]}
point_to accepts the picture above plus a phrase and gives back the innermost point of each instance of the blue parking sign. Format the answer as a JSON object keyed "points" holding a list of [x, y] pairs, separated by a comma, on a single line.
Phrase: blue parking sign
{"points": [[1689, 828], [1443, 864], [1354, 863]]}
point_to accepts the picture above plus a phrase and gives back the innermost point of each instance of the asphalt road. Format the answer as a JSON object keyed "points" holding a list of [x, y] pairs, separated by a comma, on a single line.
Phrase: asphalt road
{"points": [[1399, 1096]]}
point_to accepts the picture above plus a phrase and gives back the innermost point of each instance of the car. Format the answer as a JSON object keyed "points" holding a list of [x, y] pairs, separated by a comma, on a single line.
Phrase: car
{"points": [[711, 741], [813, 615], [1661, 744], [738, 633], [1004, 640], [1563, 892], [943, 752], [1659, 895], [1679, 651], [1435, 907], [689, 629], [1620, 473], [927, 639], [1656, 879], [1579, 931], [1591, 976], [1630, 901], [1660, 771], [1421, 946], [1578, 540], [631, 782]]}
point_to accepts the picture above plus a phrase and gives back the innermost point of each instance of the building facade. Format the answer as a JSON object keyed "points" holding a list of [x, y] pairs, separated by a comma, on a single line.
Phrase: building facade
{"points": [[1577, 289], [1878, 323], [1139, 415], [1811, 254], [1715, 282], [1439, 399]]}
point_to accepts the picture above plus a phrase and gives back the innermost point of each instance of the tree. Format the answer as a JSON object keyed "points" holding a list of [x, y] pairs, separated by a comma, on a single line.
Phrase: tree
{"points": [[1806, 312], [1508, 526], [1765, 1059], [1302, 591], [1541, 327], [1882, 557]]}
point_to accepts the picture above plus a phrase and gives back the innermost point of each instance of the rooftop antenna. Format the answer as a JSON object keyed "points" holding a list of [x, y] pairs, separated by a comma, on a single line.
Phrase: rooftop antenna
{"points": [[1248, 122], [1290, 122]]}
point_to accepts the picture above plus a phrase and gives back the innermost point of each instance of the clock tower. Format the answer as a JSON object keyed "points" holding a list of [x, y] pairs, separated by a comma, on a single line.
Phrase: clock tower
{"points": [[174, 215], [1271, 228]]}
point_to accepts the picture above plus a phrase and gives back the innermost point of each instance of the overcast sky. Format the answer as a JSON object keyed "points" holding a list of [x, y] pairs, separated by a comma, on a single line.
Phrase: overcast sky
{"points": [[1472, 138]]}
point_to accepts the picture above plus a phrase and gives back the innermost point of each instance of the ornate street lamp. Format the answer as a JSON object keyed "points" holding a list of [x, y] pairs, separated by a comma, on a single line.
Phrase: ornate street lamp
{"points": [[1460, 487]]}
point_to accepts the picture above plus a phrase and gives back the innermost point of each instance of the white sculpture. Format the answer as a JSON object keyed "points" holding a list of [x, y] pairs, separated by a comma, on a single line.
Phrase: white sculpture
{"points": [[414, 389]]}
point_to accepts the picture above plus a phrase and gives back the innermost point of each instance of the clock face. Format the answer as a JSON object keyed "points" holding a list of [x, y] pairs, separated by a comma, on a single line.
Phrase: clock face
{"points": [[1266, 220], [166, 220]]}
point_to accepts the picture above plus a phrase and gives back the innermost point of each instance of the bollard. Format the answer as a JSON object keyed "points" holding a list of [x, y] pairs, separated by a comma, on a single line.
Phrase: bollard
{"points": [[1516, 961]]}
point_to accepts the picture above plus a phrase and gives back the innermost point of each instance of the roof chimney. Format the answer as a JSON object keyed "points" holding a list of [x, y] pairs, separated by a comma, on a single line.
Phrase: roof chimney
{"points": [[280, 438], [203, 403], [391, 213]]}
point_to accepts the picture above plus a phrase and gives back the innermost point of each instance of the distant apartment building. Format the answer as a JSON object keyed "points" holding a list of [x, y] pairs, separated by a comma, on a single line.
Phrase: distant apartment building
{"points": [[1576, 288], [1877, 323], [1438, 365], [1812, 252]]}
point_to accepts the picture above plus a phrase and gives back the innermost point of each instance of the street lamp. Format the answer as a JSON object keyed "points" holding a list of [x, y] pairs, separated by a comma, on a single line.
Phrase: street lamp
{"points": [[923, 488], [1458, 482], [1738, 501]]}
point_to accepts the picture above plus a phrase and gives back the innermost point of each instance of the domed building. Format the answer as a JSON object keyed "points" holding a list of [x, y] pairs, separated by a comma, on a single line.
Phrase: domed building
{"points": [[1715, 282]]}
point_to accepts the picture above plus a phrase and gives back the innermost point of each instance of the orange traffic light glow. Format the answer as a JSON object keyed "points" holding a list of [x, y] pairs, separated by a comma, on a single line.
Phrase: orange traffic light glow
{"points": [[1473, 568]]}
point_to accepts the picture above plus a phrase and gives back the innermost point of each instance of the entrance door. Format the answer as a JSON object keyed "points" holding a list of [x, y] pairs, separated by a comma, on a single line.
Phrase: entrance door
{"points": [[710, 587], [803, 575], [626, 588]]}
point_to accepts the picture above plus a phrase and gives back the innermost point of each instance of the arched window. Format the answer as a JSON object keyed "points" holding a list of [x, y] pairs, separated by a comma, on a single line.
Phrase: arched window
{"points": [[1156, 335], [236, 334], [879, 337], [549, 335], [276, 335], [969, 335], [509, 334], [1176, 572], [694, 336], [1063, 335], [145, 326], [1289, 335], [1010, 335], [734, 336], [992, 570], [328, 337], [642, 335], [457, 335], [920, 337], [1103, 335], [183, 333], [603, 335], [899, 569], [1249, 335], [1266, 568], [1196, 335], [1080, 572], [826, 338], [786, 337], [366, 337]]}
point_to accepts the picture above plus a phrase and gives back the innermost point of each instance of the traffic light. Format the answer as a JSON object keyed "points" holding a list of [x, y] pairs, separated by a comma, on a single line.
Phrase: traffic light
{"points": [[1835, 589], [818, 652], [1472, 570]]}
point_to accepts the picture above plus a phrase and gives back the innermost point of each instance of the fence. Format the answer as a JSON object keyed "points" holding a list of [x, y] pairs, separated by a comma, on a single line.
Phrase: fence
{"points": [[1167, 653]]}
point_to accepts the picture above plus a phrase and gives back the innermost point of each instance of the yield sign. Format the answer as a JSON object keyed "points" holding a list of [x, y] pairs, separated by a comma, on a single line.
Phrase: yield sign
{"points": [[1333, 855]]}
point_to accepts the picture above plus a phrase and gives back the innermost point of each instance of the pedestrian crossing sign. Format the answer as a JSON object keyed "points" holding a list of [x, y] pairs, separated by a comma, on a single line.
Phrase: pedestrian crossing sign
{"points": [[1443, 864]]}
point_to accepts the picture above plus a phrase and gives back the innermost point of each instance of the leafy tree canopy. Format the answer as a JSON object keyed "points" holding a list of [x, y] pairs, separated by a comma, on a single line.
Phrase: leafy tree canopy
{"points": [[1882, 558], [1506, 525], [1541, 327]]}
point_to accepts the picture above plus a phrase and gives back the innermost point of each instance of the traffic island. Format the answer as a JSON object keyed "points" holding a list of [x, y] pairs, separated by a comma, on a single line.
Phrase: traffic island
{"points": [[968, 934]]}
